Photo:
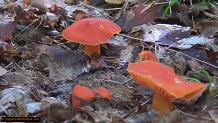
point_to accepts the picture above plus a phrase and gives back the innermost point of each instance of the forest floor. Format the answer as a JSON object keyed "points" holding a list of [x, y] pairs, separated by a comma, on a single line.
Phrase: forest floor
{"points": [[39, 67]]}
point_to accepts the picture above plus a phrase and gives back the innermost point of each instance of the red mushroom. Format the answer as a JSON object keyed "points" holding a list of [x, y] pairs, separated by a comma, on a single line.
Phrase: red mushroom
{"points": [[105, 93], [91, 32], [81, 92], [166, 84], [147, 55]]}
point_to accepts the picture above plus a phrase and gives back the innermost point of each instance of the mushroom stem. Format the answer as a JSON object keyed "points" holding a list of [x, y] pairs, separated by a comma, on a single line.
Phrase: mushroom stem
{"points": [[161, 104], [89, 49]]}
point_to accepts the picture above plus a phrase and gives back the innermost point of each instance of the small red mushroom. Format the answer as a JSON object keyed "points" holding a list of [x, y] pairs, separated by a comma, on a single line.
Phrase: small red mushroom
{"points": [[91, 32], [81, 93], [167, 85], [147, 55], [105, 93]]}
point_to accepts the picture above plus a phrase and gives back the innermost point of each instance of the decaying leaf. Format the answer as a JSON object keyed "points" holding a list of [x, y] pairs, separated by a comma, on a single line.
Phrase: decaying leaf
{"points": [[207, 28], [16, 78], [6, 30], [55, 110], [138, 16], [14, 95], [63, 64], [30, 34]]}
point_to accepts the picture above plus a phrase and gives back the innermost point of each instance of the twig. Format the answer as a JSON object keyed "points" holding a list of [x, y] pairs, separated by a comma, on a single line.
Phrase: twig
{"points": [[111, 9], [26, 27], [210, 15], [195, 116]]}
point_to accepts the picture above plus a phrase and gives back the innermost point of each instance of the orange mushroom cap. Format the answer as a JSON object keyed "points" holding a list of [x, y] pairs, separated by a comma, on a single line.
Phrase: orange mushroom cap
{"points": [[81, 92], [166, 84], [91, 31], [105, 93], [147, 55]]}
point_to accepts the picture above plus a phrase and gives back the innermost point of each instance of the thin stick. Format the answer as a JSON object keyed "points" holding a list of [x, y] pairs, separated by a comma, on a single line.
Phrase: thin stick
{"points": [[195, 116]]}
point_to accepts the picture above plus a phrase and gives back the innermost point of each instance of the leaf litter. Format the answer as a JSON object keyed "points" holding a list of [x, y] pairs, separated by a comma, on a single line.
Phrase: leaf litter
{"points": [[39, 67]]}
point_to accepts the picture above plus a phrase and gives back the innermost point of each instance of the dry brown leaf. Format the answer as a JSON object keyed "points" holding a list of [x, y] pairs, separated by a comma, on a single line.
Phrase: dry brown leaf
{"points": [[61, 63], [6, 30], [56, 110], [207, 28], [138, 16]]}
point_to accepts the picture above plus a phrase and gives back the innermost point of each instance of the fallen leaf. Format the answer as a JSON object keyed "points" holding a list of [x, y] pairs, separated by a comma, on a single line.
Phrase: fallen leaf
{"points": [[138, 16], [207, 28], [16, 78], [15, 95], [6, 30], [56, 110], [62, 64], [194, 40]]}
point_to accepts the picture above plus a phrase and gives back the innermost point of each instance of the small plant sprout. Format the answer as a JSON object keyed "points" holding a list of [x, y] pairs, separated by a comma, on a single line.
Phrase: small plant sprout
{"points": [[211, 86]]}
